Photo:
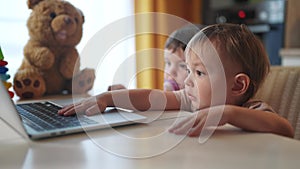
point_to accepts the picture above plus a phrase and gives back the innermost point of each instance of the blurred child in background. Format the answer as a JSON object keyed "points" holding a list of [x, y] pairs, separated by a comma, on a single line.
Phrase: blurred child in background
{"points": [[175, 66]]}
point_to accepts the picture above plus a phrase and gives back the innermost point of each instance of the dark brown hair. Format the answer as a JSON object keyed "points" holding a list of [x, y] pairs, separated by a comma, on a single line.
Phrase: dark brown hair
{"points": [[181, 37], [241, 46]]}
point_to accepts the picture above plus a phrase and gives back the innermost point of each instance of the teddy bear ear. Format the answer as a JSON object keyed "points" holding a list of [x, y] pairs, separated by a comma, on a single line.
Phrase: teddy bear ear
{"points": [[32, 3], [81, 13]]}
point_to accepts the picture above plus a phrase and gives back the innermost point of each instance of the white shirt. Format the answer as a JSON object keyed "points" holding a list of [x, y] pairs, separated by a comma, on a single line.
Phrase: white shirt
{"points": [[251, 104]]}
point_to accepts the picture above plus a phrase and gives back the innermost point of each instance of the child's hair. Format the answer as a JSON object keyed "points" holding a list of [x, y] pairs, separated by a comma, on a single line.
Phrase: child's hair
{"points": [[241, 46], [180, 37]]}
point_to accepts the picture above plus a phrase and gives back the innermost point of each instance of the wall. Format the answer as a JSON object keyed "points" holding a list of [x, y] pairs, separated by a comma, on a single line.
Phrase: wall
{"points": [[292, 33], [290, 54]]}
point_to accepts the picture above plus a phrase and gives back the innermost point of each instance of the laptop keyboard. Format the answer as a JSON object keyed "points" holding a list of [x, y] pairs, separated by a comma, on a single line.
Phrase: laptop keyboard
{"points": [[43, 116]]}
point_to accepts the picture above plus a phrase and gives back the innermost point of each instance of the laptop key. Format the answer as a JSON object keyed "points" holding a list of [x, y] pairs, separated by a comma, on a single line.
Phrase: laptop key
{"points": [[44, 115]]}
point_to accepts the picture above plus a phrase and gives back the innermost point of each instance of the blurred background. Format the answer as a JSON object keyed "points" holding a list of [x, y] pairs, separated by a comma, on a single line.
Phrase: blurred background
{"points": [[275, 22]]}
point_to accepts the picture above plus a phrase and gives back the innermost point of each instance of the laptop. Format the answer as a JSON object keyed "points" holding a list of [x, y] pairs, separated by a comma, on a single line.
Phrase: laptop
{"points": [[39, 119]]}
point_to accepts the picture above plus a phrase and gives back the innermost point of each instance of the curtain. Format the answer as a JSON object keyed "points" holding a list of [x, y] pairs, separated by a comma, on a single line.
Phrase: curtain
{"points": [[149, 46]]}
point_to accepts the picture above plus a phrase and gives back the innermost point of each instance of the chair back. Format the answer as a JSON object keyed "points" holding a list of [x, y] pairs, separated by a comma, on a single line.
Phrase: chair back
{"points": [[281, 90]]}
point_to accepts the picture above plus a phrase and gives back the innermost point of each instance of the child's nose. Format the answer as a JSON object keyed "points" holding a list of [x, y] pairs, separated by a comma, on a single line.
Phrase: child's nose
{"points": [[188, 80], [173, 71]]}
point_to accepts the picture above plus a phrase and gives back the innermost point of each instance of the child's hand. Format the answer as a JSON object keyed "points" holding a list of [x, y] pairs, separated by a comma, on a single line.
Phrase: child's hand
{"points": [[193, 125], [89, 106]]}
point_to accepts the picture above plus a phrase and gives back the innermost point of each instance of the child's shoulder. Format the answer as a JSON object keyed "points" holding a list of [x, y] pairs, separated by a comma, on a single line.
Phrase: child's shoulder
{"points": [[258, 105]]}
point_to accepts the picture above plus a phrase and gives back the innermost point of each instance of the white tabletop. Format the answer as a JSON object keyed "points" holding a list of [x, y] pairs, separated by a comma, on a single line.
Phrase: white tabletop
{"points": [[150, 146]]}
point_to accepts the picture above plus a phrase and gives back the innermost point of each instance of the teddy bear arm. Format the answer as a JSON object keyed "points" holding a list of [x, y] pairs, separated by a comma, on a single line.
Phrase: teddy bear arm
{"points": [[70, 64], [39, 56]]}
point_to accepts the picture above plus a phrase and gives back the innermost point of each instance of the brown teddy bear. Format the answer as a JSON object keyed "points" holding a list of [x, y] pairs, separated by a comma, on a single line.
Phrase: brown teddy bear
{"points": [[51, 62]]}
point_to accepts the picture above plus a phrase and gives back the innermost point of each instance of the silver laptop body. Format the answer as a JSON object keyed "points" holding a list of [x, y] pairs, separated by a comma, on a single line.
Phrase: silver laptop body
{"points": [[17, 116]]}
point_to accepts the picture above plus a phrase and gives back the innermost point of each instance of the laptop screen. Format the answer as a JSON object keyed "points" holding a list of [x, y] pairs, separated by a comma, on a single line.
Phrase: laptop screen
{"points": [[9, 114]]}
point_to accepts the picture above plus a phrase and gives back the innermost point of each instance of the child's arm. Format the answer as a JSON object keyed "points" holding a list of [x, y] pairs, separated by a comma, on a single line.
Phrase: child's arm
{"points": [[245, 118], [136, 99], [260, 121]]}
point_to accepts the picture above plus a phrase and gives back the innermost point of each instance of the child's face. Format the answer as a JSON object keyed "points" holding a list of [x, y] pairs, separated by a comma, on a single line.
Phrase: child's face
{"points": [[197, 83], [175, 66], [214, 77]]}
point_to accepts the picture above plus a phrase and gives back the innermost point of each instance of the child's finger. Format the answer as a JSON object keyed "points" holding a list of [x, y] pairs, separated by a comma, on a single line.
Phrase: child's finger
{"points": [[72, 109], [65, 109], [177, 125], [184, 128], [195, 131]]}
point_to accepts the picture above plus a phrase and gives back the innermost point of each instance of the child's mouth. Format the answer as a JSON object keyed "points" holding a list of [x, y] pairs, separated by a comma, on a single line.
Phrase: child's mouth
{"points": [[191, 97]]}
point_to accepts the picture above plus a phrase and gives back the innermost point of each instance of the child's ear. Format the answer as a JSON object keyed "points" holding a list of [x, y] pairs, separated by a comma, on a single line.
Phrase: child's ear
{"points": [[241, 84]]}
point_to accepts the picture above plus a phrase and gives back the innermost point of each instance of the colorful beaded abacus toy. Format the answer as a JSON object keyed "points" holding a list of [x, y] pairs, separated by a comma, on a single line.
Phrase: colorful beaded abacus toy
{"points": [[3, 74]]}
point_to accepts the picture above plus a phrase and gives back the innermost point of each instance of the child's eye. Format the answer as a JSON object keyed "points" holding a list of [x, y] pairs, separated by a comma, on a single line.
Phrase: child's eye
{"points": [[188, 71], [182, 66], [167, 63], [199, 73]]}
